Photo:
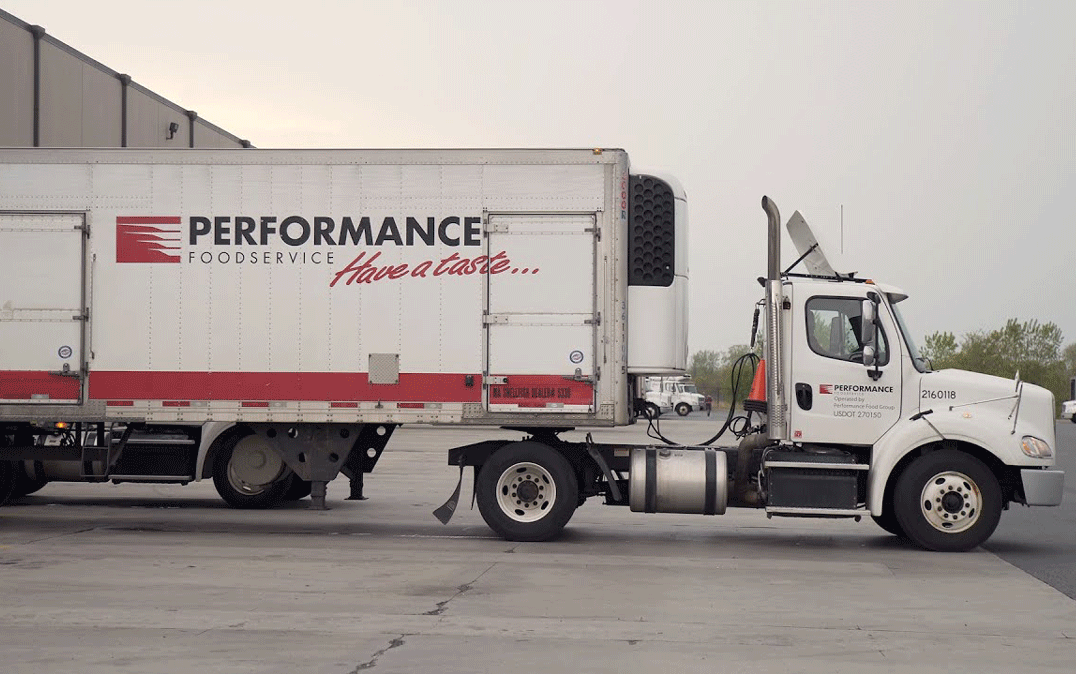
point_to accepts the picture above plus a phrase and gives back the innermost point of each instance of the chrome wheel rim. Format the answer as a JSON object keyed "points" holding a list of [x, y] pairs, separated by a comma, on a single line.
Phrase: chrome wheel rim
{"points": [[526, 492], [253, 466], [951, 502]]}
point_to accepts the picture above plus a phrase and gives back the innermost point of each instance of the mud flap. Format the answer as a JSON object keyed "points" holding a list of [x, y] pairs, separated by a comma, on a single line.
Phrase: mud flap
{"points": [[446, 511]]}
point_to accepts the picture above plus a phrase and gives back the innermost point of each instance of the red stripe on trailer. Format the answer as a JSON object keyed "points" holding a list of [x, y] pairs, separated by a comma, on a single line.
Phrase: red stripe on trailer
{"points": [[254, 403], [537, 390], [347, 405], [176, 403], [415, 406], [263, 386], [120, 403], [25, 384]]}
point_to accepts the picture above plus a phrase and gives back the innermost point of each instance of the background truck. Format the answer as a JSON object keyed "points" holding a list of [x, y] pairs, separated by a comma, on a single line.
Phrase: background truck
{"points": [[267, 318], [667, 394]]}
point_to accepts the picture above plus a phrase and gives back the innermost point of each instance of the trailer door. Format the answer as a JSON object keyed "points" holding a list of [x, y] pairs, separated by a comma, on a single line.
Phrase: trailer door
{"points": [[42, 307], [541, 317]]}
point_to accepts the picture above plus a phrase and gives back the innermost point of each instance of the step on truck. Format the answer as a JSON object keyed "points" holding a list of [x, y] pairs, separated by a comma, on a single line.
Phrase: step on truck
{"points": [[267, 318]]}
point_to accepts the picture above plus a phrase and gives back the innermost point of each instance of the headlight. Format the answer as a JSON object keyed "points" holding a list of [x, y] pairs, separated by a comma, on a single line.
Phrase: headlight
{"points": [[1035, 448]]}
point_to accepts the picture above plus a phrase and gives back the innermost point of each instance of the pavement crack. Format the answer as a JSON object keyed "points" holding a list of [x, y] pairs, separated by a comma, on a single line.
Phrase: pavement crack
{"points": [[460, 589], [372, 662], [60, 535]]}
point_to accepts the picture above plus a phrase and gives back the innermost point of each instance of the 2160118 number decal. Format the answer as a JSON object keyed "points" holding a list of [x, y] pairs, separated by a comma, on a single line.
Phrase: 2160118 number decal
{"points": [[939, 395]]}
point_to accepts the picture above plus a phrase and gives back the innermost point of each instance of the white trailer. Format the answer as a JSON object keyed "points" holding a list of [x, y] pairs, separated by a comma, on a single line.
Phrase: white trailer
{"points": [[192, 304], [267, 318]]}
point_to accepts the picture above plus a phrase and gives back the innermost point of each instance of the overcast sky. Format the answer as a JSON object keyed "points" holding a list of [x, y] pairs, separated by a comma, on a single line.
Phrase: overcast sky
{"points": [[946, 129]]}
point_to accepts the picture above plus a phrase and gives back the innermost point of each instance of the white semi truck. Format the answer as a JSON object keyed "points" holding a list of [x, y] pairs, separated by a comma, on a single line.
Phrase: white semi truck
{"points": [[669, 394], [267, 318]]}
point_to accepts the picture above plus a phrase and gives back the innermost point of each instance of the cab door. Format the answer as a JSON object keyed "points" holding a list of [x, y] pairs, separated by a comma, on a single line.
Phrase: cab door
{"points": [[833, 396]]}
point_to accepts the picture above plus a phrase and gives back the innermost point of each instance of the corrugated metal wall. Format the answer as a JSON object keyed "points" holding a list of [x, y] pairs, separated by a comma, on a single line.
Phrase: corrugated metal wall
{"points": [[55, 96]]}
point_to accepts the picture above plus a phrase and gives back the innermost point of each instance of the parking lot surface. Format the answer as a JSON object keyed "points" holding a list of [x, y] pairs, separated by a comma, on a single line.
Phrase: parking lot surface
{"points": [[160, 578]]}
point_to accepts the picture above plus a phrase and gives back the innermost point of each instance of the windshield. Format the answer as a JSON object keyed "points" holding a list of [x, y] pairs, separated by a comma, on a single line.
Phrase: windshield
{"points": [[689, 388], [919, 362]]}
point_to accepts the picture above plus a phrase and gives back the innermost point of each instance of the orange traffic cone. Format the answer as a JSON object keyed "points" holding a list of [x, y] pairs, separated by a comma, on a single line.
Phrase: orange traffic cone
{"points": [[756, 399]]}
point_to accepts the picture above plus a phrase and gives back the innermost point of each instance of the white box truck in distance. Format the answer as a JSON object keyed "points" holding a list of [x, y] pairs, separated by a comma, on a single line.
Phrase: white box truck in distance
{"points": [[267, 318]]}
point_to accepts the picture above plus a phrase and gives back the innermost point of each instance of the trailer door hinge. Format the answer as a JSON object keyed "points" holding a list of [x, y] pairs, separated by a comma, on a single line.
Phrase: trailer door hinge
{"points": [[494, 319], [595, 231], [84, 316], [597, 320]]}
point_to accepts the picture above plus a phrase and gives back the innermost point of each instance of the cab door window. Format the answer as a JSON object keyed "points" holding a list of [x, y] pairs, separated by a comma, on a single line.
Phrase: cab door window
{"points": [[833, 329]]}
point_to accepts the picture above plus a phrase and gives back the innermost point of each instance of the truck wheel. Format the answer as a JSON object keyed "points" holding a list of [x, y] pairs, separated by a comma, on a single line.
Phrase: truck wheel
{"points": [[527, 491], [249, 474], [948, 501], [1074, 418], [651, 411], [888, 521], [683, 409]]}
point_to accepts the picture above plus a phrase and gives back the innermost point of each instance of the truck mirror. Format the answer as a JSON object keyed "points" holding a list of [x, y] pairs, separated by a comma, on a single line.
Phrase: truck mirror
{"points": [[866, 325], [869, 356]]}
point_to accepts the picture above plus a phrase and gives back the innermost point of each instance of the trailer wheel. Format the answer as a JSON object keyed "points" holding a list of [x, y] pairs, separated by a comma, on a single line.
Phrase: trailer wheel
{"points": [[297, 488], [7, 479], [24, 484], [249, 474], [683, 409], [527, 491], [948, 501]]}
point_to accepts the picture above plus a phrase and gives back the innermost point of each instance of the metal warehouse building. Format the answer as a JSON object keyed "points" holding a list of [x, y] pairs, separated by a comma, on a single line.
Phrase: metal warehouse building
{"points": [[56, 96]]}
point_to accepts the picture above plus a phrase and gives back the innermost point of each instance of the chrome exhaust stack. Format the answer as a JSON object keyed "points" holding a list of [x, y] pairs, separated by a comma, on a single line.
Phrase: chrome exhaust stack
{"points": [[775, 399]]}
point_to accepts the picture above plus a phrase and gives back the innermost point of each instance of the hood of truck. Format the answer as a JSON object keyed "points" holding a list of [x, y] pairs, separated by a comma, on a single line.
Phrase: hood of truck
{"points": [[986, 399]]}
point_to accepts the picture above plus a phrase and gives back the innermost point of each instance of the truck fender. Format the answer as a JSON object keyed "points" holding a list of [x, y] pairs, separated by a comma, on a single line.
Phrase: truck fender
{"points": [[211, 430], [910, 435]]}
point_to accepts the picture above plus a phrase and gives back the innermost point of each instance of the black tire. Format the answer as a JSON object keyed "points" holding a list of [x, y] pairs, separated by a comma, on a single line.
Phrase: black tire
{"points": [[246, 494], [297, 488], [24, 483], [683, 409], [888, 521], [546, 481], [1074, 418], [948, 501], [7, 478], [651, 411]]}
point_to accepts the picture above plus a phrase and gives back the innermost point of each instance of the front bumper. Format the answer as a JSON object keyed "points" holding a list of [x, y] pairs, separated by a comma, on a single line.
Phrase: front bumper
{"points": [[1042, 487]]}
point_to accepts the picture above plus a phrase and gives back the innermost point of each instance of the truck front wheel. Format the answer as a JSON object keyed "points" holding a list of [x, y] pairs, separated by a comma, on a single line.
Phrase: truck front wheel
{"points": [[527, 492], [948, 501], [683, 409], [249, 474]]}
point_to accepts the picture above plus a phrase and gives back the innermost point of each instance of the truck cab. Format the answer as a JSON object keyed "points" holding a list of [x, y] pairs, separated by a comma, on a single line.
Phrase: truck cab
{"points": [[931, 455]]}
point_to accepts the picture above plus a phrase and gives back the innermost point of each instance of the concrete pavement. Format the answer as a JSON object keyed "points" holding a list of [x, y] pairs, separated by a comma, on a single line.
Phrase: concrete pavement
{"points": [[103, 578]]}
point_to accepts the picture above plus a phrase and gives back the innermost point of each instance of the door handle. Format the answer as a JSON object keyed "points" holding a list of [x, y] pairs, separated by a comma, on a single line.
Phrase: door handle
{"points": [[804, 396]]}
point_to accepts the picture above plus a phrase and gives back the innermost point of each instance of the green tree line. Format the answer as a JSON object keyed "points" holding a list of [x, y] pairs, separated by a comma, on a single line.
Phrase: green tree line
{"points": [[712, 372], [1030, 347]]}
